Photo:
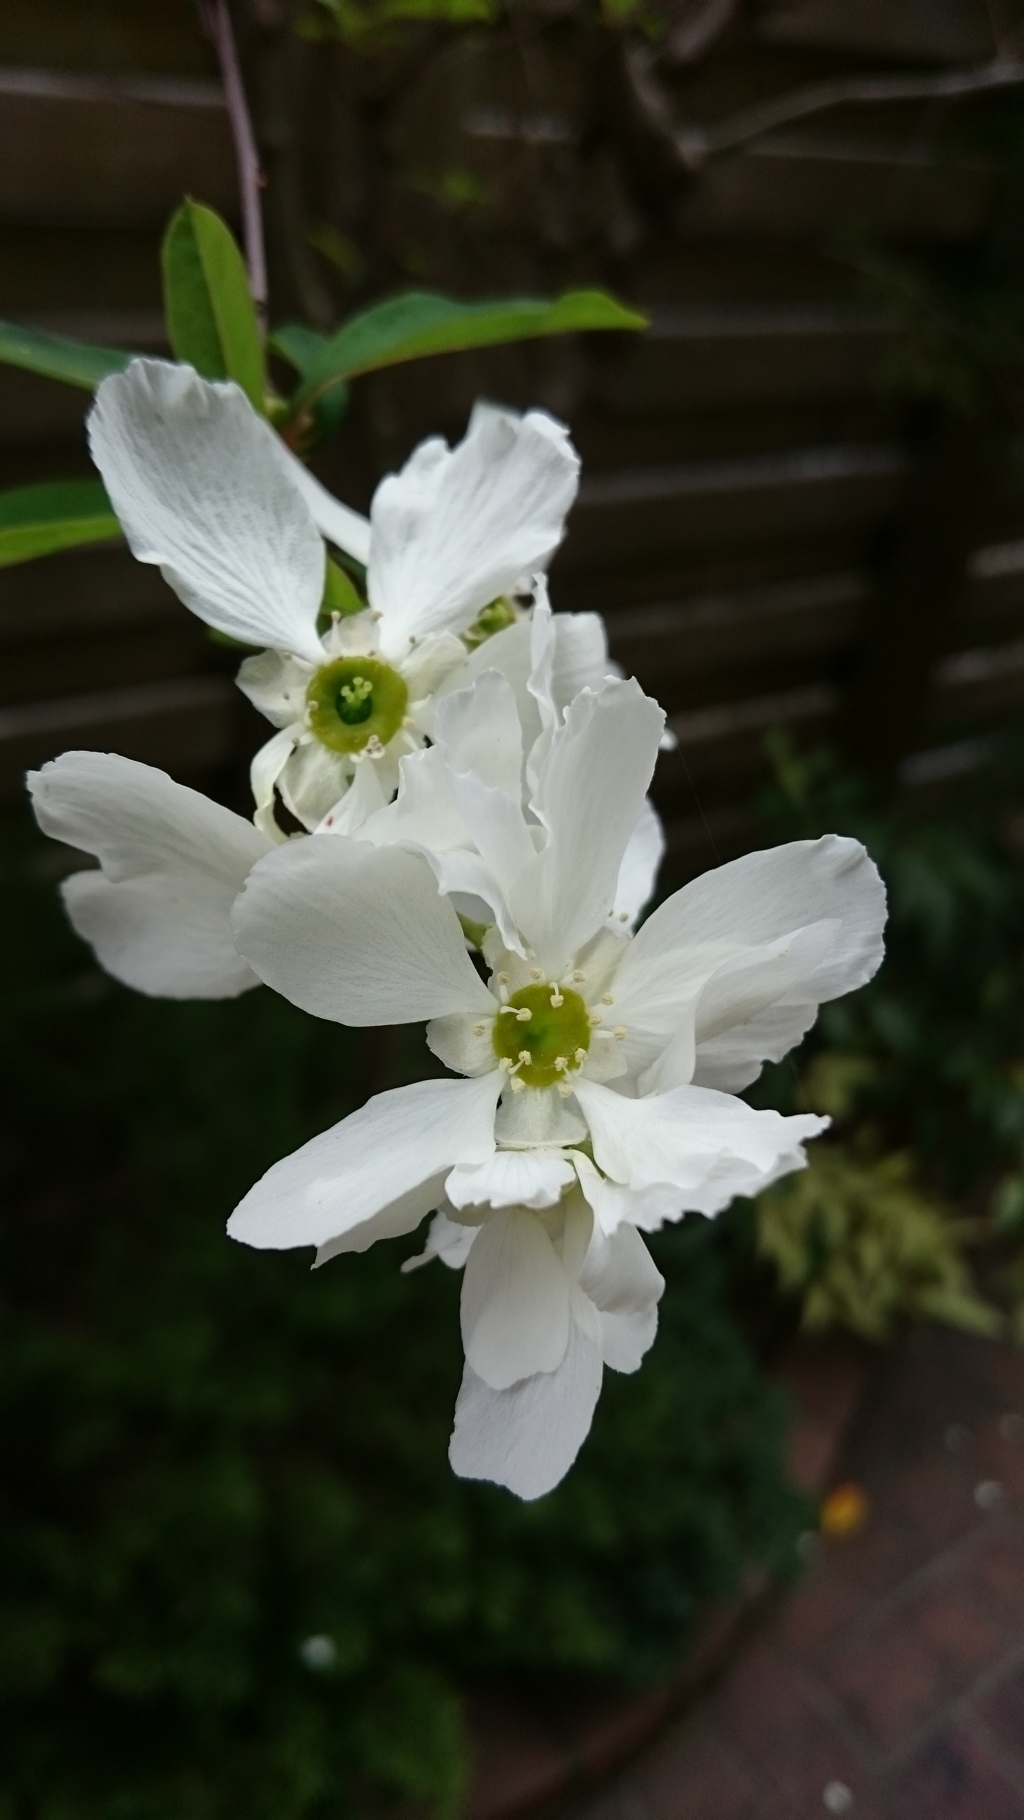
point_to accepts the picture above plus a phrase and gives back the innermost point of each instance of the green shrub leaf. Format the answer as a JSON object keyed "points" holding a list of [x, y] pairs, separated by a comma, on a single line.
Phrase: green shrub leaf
{"points": [[57, 515], [79, 363], [211, 318], [422, 322]]}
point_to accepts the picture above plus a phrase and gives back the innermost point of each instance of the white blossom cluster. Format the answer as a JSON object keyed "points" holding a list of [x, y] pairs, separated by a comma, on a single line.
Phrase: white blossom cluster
{"points": [[451, 824]]}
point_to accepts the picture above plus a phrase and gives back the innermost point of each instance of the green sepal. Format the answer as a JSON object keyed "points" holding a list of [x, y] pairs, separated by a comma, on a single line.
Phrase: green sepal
{"points": [[423, 322], [340, 593], [56, 515], [211, 318], [80, 363]]}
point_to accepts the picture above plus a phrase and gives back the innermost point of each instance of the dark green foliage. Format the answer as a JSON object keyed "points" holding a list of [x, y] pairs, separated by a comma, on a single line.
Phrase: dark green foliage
{"points": [[211, 1454], [935, 1041]]}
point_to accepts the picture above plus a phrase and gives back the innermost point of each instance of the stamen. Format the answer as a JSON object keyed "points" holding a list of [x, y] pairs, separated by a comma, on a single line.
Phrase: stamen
{"points": [[479, 1029], [525, 1057], [373, 747], [607, 999], [595, 1019], [556, 999], [536, 973], [502, 978], [580, 1057], [561, 1064], [518, 1086], [578, 975], [619, 1032], [524, 1014], [623, 916], [510, 1010], [564, 1090], [505, 1063]]}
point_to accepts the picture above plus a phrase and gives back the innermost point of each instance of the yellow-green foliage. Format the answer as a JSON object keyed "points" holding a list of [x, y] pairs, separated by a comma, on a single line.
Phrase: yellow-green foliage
{"points": [[864, 1247]]}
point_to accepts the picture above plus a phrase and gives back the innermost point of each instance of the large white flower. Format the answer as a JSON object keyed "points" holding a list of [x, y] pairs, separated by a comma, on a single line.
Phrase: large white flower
{"points": [[601, 1067], [205, 490]]}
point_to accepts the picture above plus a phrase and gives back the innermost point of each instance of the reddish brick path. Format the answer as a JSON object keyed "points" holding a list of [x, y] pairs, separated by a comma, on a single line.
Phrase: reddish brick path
{"points": [[890, 1684]]}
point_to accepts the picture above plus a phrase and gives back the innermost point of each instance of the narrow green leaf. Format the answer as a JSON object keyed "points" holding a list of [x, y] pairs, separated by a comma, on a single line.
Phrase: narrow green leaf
{"points": [[57, 515], [340, 592], [79, 363], [300, 345], [211, 318], [421, 322]]}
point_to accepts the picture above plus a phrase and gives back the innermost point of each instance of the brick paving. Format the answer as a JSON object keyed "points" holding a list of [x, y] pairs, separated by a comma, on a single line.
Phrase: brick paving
{"points": [[890, 1684]]}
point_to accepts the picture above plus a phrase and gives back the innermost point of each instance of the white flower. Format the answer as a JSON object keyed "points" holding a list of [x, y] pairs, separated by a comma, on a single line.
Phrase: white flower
{"points": [[205, 489], [615, 1059], [157, 913]]}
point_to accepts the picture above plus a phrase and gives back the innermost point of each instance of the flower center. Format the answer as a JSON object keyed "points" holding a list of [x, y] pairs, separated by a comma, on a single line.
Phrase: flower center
{"points": [[542, 1034], [353, 700]]}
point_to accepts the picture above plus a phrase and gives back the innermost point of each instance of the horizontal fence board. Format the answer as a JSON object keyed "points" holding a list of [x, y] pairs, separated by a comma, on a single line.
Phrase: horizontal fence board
{"points": [[109, 154], [800, 188], [696, 360], [762, 499], [105, 35], [185, 726], [100, 589]]}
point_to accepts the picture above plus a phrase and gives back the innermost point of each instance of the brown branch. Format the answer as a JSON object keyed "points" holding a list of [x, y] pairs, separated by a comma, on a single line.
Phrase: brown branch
{"points": [[217, 23], [694, 146]]}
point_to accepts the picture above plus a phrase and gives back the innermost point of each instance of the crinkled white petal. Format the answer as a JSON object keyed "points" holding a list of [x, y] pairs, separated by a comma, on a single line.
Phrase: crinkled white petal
{"points": [[456, 528], [465, 1044], [313, 780], [445, 1240], [589, 797], [708, 1145], [515, 1300], [392, 1222], [615, 1205], [512, 1178], [538, 1115], [158, 915], [364, 797], [276, 685], [393, 1145], [357, 934], [348, 530], [526, 1438], [197, 481], [477, 729], [624, 1284]]}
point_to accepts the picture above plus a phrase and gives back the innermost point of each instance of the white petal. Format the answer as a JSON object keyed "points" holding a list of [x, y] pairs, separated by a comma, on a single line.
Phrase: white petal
{"points": [[363, 798], [312, 780], [624, 1284], [515, 1300], [199, 487], [356, 933], [348, 530], [538, 1115], [464, 1044], [589, 797], [708, 1145], [526, 1438], [580, 659], [267, 766], [761, 899], [638, 873], [615, 1205], [445, 1240], [477, 729], [512, 1178], [172, 865], [276, 685], [455, 529], [392, 1222], [391, 1147]]}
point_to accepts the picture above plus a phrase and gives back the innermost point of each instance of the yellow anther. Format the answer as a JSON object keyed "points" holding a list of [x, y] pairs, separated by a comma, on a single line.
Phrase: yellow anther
{"points": [[580, 1057], [536, 973], [578, 975], [556, 999], [518, 1086], [479, 1029], [619, 1032], [623, 916], [561, 1064], [525, 1056], [524, 1014], [607, 999], [502, 979], [595, 1019], [564, 1089]]}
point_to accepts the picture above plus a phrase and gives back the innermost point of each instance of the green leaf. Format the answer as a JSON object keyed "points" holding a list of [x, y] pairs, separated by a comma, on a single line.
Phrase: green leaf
{"points": [[211, 318], [300, 345], [421, 322], [340, 592], [79, 363], [35, 521]]}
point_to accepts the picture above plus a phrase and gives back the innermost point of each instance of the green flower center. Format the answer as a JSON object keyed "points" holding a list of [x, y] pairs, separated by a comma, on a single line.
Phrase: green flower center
{"points": [[543, 1034], [354, 700]]}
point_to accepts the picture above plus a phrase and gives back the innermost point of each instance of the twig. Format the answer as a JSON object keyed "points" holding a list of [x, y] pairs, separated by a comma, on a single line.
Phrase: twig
{"points": [[694, 146], [217, 23]]}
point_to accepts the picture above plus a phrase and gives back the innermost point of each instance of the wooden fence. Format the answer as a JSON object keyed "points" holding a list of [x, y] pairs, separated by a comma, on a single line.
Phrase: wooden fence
{"points": [[769, 542]]}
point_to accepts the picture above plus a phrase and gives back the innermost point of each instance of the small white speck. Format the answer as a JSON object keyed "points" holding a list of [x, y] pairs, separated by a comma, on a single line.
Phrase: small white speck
{"points": [[318, 1653], [837, 1798], [988, 1494]]}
